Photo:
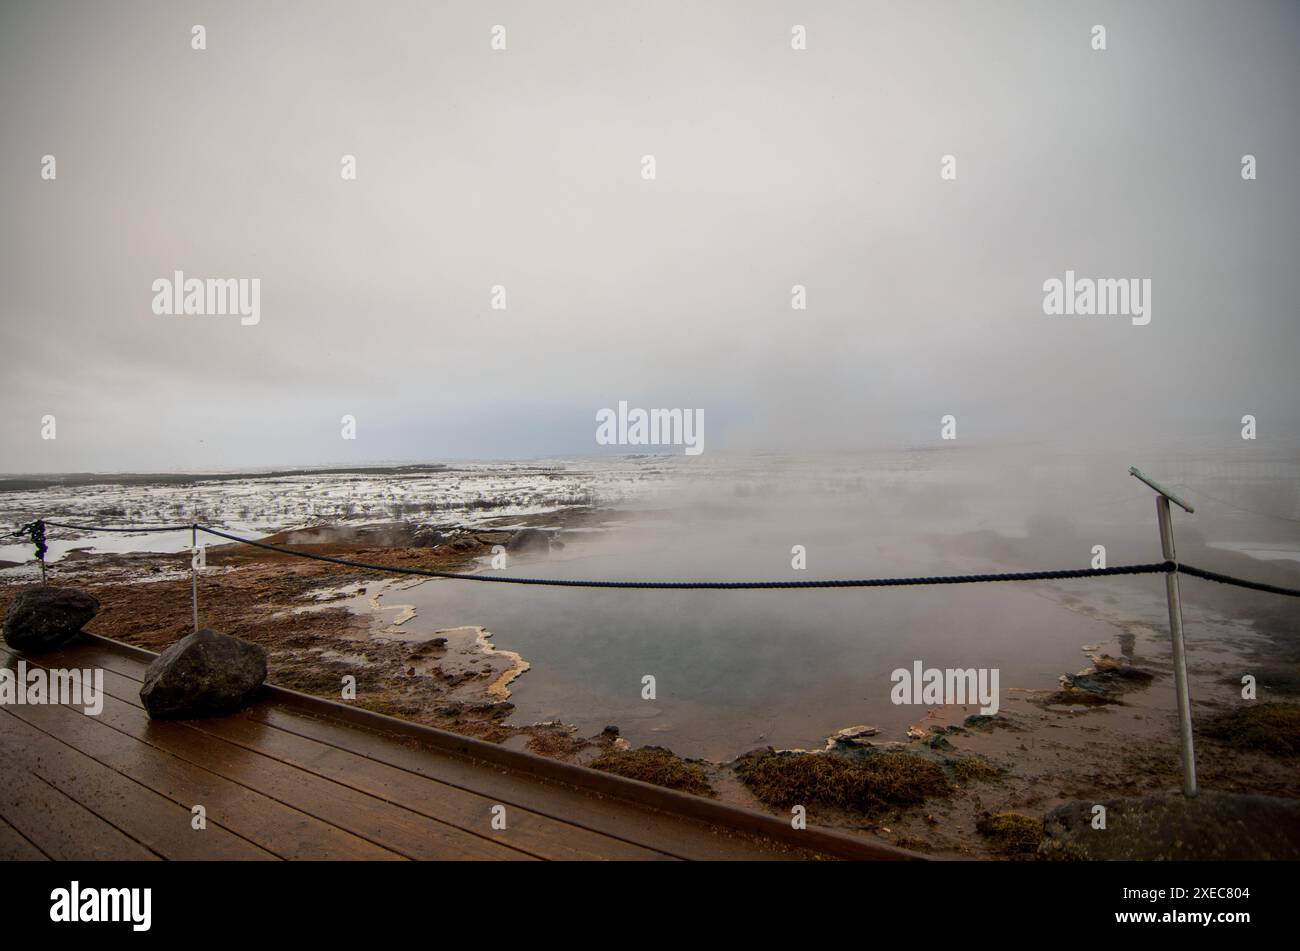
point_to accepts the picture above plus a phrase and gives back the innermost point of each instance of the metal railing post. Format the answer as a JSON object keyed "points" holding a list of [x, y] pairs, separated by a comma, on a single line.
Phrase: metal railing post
{"points": [[194, 572], [1163, 498], [1180, 652], [39, 536]]}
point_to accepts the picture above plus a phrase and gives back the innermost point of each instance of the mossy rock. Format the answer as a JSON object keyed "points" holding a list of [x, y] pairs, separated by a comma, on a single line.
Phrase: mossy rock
{"points": [[987, 722], [862, 783], [1010, 833], [1110, 680], [1101, 686], [654, 764], [971, 769]]}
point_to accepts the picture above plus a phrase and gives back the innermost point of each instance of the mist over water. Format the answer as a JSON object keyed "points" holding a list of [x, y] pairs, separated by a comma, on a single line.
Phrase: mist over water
{"points": [[736, 669]]}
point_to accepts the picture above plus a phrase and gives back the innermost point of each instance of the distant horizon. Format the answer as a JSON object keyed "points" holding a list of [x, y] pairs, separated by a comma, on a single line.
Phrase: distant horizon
{"points": [[1171, 445]]}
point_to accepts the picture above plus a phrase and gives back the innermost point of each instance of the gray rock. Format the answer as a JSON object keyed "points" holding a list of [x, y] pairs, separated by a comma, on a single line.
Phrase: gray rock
{"points": [[1109, 681], [431, 536], [852, 736], [986, 723], [203, 675], [529, 540], [45, 617]]}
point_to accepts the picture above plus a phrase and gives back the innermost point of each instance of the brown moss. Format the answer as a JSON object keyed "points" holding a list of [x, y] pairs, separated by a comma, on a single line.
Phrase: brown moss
{"points": [[654, 764], [972, 769], [1010, 832], [556, 744], [1265, 727], [864, 784]]}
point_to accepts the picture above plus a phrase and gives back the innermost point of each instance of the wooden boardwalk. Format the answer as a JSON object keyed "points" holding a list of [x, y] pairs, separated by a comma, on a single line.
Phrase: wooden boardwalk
{"points": [[295, 777]]}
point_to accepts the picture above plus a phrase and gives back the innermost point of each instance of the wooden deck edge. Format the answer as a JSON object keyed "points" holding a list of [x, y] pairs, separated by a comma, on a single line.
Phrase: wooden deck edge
{"points": [[737, 818]]}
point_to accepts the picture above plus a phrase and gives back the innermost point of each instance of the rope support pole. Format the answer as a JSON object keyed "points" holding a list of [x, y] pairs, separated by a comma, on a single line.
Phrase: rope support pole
{"points": [[194, 572]]}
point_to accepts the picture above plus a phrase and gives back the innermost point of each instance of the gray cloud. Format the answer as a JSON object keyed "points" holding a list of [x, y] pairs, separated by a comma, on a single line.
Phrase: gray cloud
{"points": [[521, 168]]}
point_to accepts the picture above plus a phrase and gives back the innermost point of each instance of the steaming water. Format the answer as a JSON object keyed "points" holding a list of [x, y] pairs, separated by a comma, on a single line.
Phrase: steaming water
{"points": [[737, 669]]}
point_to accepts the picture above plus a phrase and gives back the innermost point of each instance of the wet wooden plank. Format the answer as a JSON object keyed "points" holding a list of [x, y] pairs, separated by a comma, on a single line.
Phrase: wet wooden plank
{"points": [[393, 827], [155, 822], [587, 812], [678, 836], [529, 830], [60, 827], [681, 826], [281, 830], [386, 824], [15, 848], [537, 833], [674, 835], [94, 653]]}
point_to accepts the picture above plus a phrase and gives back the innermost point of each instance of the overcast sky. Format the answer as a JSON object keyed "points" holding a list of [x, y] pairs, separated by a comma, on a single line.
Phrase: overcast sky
{"points": [[522, 168]]}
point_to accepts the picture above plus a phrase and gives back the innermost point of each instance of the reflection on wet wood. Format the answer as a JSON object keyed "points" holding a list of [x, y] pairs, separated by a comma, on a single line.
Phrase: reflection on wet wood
{"points": [[295, 777]]}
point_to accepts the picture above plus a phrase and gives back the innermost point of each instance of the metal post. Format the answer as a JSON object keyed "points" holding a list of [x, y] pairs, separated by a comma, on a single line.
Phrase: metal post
{"points": [[194, 572], [38, 539], [1180, 654]]}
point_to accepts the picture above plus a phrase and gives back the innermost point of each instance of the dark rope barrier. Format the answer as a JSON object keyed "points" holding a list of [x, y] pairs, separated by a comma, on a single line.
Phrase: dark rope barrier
{"points": [[1158, 567], [121, 528], [36, 530], [1239, 582]]}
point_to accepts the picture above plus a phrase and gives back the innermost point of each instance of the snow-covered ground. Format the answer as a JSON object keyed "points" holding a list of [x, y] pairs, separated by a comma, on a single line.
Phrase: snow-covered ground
{"points": [[464, 495], [946, 489]]}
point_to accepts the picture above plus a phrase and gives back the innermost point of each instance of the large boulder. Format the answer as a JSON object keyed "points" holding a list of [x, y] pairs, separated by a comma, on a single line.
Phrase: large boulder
{"points": [[45, 617], [203, 675]]}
